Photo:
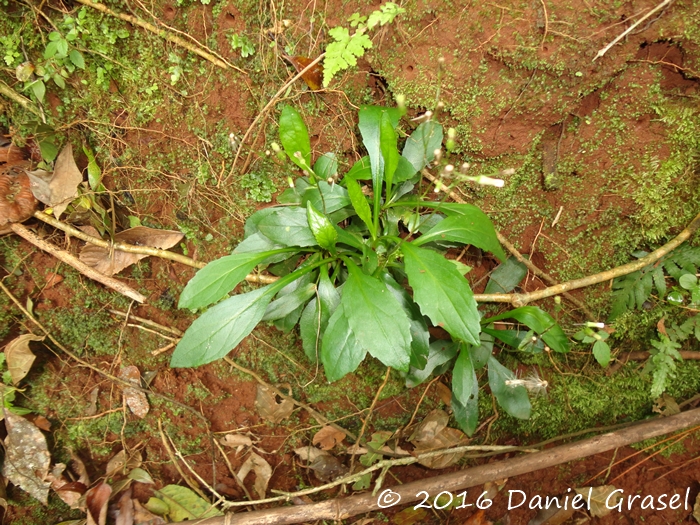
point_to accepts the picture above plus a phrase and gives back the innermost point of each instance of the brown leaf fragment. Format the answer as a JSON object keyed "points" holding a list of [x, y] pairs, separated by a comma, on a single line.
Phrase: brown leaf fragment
{"points": [[112, 263], [27, 457], [96, 500], [446, 438], [135, 399], [125, 509], [313, 77], [17, 203], [410, 516], [696, 509], [328, 468], [263, 473], [268, 407], [40, 422], [69, 492], [600, 506], [309, 454], [78, 467], [61, 187], [116, 464], [328, 437], [237, 441], [145, 517], [431, 426], [91, 410], [445, 393], [19, 357]]}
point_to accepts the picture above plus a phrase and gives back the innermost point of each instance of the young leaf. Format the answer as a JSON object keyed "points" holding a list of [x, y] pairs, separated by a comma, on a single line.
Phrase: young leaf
{"points": [[313, 322], [322, 228], [474, 228], [370, 120], [439, 354], [420, 147], [361, 170], [76, 57], [376, 319], [514, 400], [289, 227], [601, 352], [341, 353], [390, 154], [325, 197], [541, 322], [359, 203], [326, 166], [286, 304], [294, 289], [218, 330], [506, 277], [219, 277], [465, 389], [442, 293], [295, 137]]}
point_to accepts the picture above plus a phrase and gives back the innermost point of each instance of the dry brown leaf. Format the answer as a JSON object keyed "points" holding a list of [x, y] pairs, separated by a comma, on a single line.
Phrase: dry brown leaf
{"points": [[445, 393], [310, 454], [19, 357], [109, 264], [326, 467], [446, 438], [263, 473], [69, 492], [91, 410], [237, 441], [52, 279], [431, 426], [27, 457], [314, 76], [268, 407], [696, 509], [116, 464], [61, 187], [96, 500], [78, 467], [39, 421], [135, 399], [599, 504], [328, 437], [143, 516], [125, 509]]}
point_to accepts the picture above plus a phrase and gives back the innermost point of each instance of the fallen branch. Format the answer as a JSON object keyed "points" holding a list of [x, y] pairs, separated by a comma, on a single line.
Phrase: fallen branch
{"points": [[22, 101], [217, 61], [688, 355], [83, 268], [344, 508]]}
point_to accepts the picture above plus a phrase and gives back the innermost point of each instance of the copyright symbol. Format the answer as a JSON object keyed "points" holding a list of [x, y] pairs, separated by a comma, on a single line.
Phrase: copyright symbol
{"points": [[388, 498]]}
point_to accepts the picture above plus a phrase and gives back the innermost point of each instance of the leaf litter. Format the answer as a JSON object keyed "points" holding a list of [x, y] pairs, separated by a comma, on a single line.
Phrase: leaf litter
{"points": [[269, 408], [19, 357], [135, 399], [59, 188]]}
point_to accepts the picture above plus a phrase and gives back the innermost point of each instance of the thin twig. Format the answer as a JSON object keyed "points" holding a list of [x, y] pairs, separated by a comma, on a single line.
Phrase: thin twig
{"points": [[631, 28], [163, 34], [272, 101], [83, 268], [147, 250], [365, 423], [148, 322]]}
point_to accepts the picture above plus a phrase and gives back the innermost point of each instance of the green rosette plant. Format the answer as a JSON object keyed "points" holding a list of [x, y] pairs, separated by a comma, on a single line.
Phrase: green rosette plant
{"points": [[362, 270]]}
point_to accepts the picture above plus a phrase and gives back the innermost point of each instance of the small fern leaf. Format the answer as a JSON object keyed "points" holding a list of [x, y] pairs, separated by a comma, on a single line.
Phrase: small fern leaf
{"points": [[624, 294], [659, 281], [343, 52]]}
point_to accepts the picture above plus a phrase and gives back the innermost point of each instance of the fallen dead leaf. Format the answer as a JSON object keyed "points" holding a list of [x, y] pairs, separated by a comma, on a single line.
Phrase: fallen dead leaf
{"points": [[91, 410], [446, 438], [78, 467], [431, 426], [268, 407], [328, 437], [263, 473], [136, 400], [309, 454], [52, 279], [326, 467], [144, 516], [313, 77], [19, 357], [96, 500], [599, 506], [27, 457], [445, 393], [40, 422], [69, 491], [59, 188], [125, 509], [111, 263], [696, 509], [237, 441]]}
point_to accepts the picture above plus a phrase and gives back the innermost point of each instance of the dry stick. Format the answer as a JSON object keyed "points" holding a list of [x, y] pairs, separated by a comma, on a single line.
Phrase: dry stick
{"points": [[369, 415], [339, 509], [518, 256], [272, 101], [22, 101], [131, 248], [625, 269], [83, 268], [643, 355], [631, 28], [163, 34]]}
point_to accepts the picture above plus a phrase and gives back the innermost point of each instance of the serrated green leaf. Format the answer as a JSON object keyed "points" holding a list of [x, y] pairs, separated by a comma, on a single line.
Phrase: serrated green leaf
{"points": [[475, 229], [376, 319], [213, 282], [76, 57], [341, 353], [420, 147], [61, 48], [360, 204], [314, 319], [219, 330], [439, 354], [294, 137], [58, 80], [184, 504], [541, 322], [601, 352], [442, 293], [50, 50], [288, 227], [465, 390], [322, 229], [506, 277], [420, 337], [514, 400]]}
